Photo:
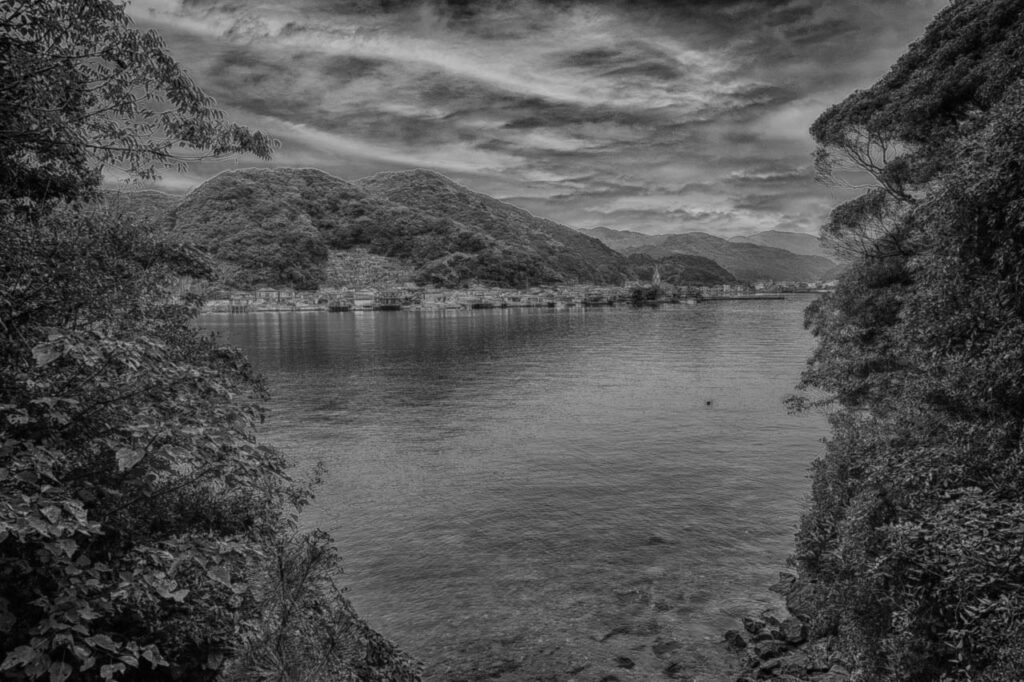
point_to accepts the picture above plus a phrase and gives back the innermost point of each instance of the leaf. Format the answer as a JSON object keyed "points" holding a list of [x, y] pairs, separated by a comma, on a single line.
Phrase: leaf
{"points": [[178, 595], [45, 353], [152, 654], [59, 672], [19, 657], [104, 642], [51, 512], [128, 458], [107, 672], [221, 574]]}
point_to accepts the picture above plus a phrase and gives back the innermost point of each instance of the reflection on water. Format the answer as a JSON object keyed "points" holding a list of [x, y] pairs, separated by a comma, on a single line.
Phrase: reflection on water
{"points": [[508, 487]]}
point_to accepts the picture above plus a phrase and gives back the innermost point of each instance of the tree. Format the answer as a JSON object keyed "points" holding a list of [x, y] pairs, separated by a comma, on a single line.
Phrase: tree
{"points": [[82, 89], [134, 494], [913, 530], [139, 515]]}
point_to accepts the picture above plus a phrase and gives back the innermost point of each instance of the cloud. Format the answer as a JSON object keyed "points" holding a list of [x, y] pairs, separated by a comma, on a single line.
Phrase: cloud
{"points": [[652, 115]]}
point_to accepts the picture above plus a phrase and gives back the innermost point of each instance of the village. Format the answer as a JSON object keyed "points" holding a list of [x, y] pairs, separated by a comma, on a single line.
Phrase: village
{"points": [[410, 296]]}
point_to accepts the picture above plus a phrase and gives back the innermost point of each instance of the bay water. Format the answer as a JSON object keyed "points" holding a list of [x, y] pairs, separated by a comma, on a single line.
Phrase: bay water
{"points": [[536, 494]]}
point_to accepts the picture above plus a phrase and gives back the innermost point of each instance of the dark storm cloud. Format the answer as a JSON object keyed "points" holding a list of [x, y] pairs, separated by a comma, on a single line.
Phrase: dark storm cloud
{"points": [[639, 114]]}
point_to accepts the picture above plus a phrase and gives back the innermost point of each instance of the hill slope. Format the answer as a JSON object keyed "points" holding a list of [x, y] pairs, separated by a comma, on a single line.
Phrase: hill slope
{"points": [[280, 227], [277, 226], [795, 242], [624, 240], [515, 247]]}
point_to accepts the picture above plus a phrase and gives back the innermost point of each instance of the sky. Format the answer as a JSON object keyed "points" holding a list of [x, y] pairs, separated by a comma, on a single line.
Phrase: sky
{"points": [[655, 116]]}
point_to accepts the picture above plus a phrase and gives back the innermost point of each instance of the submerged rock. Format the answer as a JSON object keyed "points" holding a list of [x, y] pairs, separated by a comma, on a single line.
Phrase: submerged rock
{"points": [[793, 631], [660, 648], [735, 640], [674, 670], [786, 582], [753, 625], [770, 649]]}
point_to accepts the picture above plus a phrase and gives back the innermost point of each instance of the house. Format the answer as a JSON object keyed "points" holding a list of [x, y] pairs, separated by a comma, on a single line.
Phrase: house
{"points": [[388, 299], [364, 299]]}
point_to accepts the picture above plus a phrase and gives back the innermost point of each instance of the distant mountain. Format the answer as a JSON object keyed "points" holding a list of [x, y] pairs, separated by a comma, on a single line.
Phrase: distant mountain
{"points": [[745, 261], [795, 242], [620, 240], [277, 226], [680, 269]]}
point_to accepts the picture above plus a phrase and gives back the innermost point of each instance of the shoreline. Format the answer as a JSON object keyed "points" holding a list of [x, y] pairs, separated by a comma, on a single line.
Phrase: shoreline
{"points": [[788, 648], [223, 306], [411, 297]]}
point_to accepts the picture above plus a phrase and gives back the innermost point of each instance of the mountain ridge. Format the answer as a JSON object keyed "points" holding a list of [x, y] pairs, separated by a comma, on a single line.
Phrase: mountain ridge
{"points": [[746, 261], [277, 227], [800, 243]]}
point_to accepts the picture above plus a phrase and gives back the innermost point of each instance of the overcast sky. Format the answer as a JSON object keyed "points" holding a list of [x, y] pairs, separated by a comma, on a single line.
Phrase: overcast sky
{"points": [[672, 116]]}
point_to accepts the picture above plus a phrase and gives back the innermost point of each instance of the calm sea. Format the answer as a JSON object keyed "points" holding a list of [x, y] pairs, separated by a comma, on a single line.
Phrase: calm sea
{"points": [[534, 494]]}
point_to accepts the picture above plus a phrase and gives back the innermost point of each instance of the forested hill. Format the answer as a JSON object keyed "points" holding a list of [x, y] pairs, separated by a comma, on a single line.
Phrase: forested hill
{"points": [[276, 227], [523, 246], [911, 547]]}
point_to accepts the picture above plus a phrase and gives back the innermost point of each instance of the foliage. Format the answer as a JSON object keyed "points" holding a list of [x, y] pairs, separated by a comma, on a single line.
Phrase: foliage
{"points": [[80, 88], [275, 227], [308, 629], [896, 131], [134, 493], [914, 533], [137, 509], [136, 506]]}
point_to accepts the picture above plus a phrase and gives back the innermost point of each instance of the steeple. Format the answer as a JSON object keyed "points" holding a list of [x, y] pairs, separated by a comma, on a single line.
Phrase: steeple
{"points": [[656, 277]]}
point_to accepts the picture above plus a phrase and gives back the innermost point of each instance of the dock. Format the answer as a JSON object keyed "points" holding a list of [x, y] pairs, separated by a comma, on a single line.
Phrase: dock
{"points": [[751, 297]]}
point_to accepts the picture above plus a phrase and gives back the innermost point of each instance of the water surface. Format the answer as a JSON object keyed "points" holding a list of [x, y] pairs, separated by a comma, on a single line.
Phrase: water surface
{"points": [[535, 494]]}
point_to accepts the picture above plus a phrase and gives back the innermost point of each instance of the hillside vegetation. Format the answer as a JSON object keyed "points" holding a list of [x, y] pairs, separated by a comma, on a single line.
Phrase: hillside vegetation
{"points": [[279, 228], [913, 540], [146, 535], [517, 246], [276, 227]]}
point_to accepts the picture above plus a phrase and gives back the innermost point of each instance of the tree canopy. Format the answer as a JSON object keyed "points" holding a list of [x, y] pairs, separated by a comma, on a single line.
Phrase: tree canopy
{"points": [[145, 533], [914, 531], [82, 89]]}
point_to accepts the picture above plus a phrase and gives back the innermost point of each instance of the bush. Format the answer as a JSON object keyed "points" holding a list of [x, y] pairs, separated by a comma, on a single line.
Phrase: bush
{"points": [[137, 509]]}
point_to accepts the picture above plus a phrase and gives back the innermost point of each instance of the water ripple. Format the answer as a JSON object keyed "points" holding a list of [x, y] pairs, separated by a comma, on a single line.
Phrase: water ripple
{"points": [[502, 480]]}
